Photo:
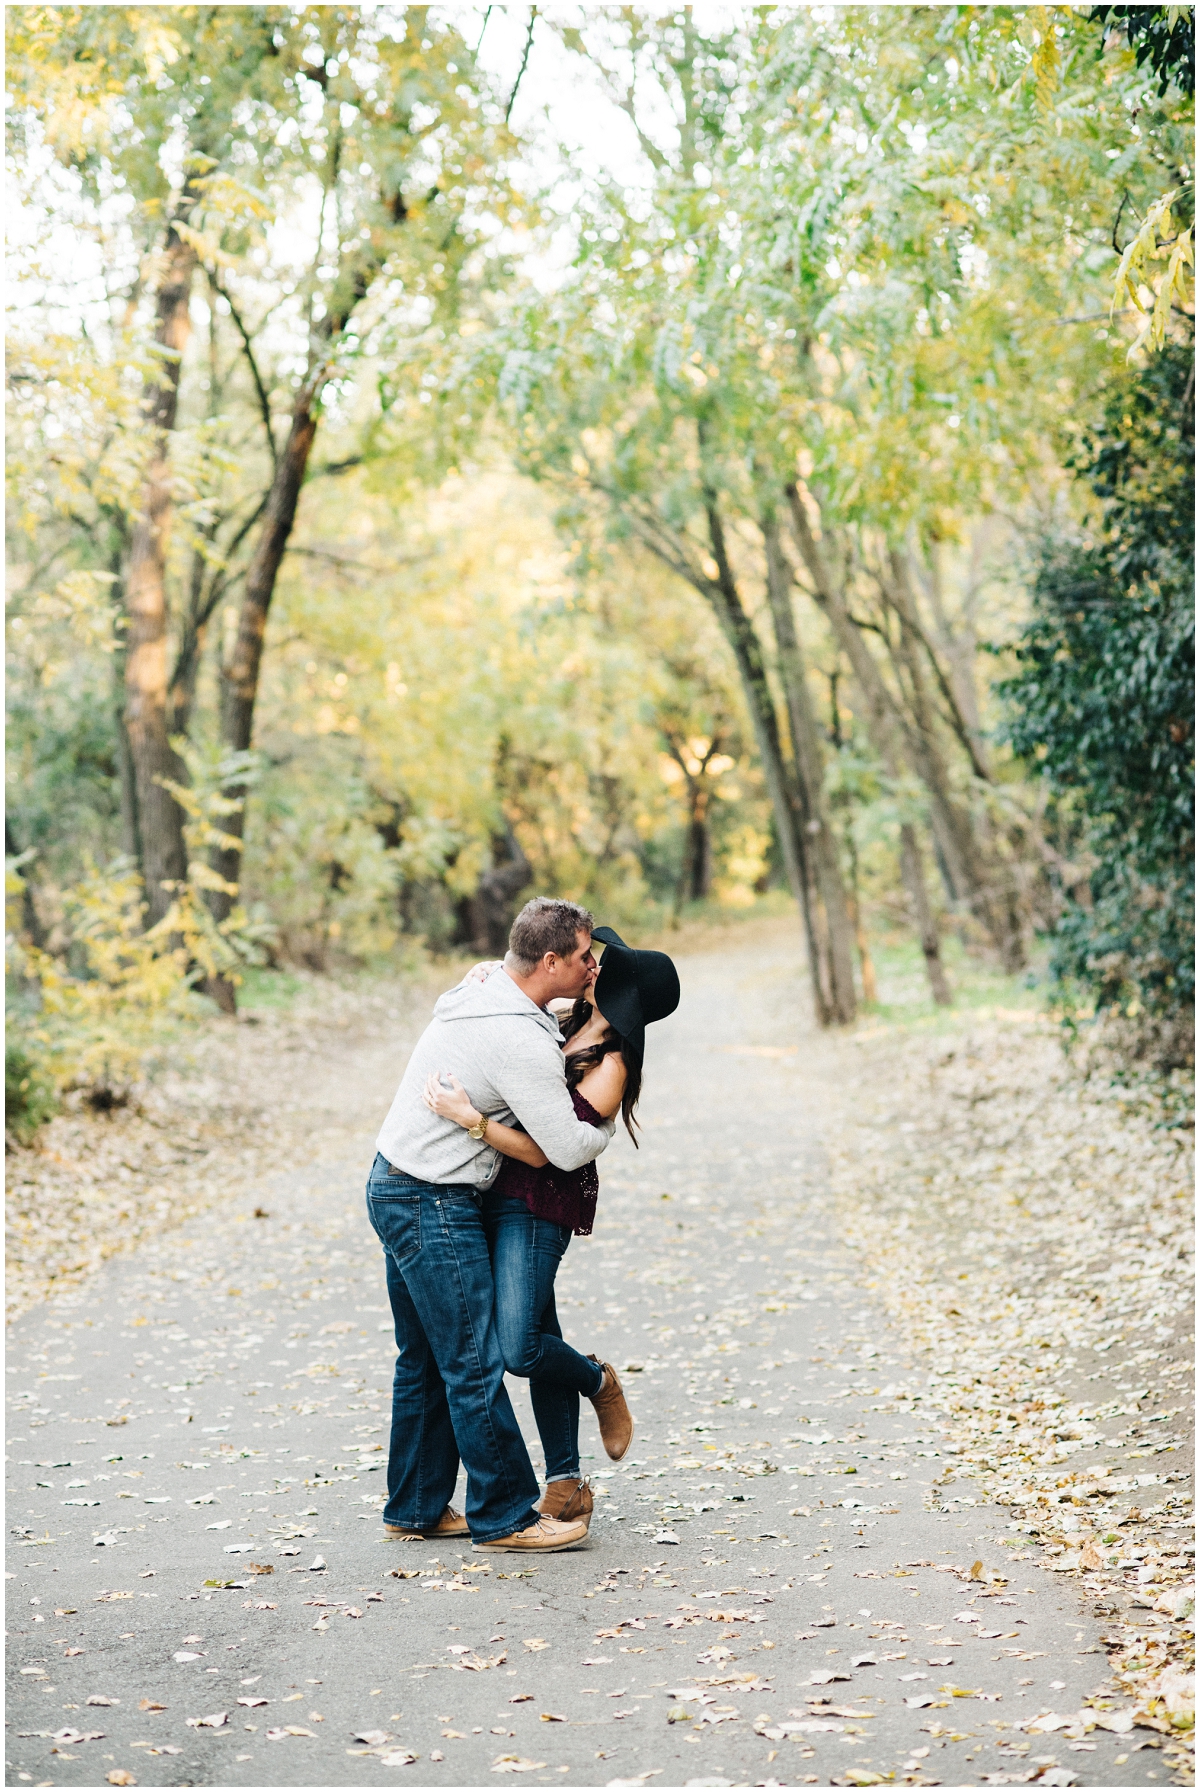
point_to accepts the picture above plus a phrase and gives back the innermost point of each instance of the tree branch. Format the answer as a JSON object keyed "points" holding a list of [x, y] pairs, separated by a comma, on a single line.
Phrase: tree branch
{"points": [[336, 559], [621, 96], [512, 98], [264, 402], [333, 467], [909, 618]]}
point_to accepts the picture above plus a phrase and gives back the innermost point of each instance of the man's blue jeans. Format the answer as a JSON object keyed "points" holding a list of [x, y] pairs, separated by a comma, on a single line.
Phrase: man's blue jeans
{"points": [[449, 1401], [526, 1252]]}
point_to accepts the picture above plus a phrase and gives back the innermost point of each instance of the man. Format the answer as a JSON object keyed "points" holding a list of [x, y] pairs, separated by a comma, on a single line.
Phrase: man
{"points": [[449, 1401]]}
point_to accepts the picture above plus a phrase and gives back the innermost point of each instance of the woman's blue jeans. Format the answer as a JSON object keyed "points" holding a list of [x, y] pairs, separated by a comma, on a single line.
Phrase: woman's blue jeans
{"points": [[526, 1252]]}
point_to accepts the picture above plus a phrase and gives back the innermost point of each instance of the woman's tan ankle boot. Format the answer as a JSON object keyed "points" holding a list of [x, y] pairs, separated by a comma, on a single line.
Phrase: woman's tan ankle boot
{"points": [[616, 1420], [568, 1500]]}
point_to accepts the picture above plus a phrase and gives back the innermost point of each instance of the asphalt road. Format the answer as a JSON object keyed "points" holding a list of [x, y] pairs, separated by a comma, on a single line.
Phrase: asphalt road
{"points": [[199, 1593]]}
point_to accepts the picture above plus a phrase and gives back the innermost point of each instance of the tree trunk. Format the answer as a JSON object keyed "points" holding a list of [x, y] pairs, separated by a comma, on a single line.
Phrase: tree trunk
{"points": [[991, 902], [885, 729], [489, 912], [699, 853], [239, 675], [957, 679], [958, 688], [906, 738], [950, 820], [912, 872], [181, 695], [810, 778], [739, 631], [695, 869], [131, 845], [866, 963], [159, 824], [695, 872]]}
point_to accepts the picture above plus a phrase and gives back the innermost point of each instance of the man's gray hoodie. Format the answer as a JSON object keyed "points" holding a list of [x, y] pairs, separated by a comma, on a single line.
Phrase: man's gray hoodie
{"points": [[507, 1053]]}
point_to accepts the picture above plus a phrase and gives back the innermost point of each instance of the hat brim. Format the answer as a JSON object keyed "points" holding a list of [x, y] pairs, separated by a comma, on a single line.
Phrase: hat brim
{"points": [[620, 993]]}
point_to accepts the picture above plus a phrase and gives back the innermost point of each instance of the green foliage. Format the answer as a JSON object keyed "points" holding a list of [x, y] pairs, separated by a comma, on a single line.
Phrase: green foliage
{"points": [[214, 949], [1158, 238], [62, 797], [454, 670], [857, 269], [1163, 36], [94, 1016], [1103, 701], [98, 1011], [869, 249], [30, 1094], [1163, 40], [316, 859]]}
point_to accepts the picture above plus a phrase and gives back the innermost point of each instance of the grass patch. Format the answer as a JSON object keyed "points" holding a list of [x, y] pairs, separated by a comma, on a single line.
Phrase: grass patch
{"points": [[978, 987], [264, 988]]}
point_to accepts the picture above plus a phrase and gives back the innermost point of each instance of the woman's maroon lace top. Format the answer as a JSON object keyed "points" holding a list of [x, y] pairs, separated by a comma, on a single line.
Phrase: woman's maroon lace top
{"points": [[568, 1197]]}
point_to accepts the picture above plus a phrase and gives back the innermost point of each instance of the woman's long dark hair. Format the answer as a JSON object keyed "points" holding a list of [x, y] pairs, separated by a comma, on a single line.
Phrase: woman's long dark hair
{"points": [[579, 1063]]}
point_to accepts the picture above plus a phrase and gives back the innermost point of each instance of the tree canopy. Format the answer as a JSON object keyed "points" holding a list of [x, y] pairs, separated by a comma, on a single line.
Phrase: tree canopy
{"points": [[406, 513]]}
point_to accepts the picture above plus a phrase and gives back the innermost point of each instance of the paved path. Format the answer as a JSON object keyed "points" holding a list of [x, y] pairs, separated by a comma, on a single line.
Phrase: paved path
{"points": [[765, 1557]]}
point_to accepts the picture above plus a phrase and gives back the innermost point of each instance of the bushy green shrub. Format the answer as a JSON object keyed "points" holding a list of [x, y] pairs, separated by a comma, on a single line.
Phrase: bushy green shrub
{"points": [[1102, 706], [95, 1014], [30, 1092]]}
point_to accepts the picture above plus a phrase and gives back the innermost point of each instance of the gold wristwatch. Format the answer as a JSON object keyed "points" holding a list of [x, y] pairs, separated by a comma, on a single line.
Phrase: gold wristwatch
{"points": [[479, 1130]]}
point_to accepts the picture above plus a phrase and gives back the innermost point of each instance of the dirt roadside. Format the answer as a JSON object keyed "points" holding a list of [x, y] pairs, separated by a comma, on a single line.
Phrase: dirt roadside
{"points": [[280, 1086], [1030, 1232]]}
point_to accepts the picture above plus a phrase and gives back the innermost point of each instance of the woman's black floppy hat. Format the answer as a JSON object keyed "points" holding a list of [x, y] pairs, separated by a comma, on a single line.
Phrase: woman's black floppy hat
{"points": [[633, 988]]}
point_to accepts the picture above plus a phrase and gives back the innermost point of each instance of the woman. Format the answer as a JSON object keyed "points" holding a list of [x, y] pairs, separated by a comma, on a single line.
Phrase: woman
{"points": [[532, 1208]]}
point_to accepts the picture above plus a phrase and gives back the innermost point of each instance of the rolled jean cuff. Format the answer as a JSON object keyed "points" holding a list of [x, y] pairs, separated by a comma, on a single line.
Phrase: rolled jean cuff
{"points": [[518, 1524]]}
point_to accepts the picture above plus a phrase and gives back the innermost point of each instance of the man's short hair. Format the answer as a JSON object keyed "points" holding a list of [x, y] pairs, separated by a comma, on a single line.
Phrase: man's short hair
{"points": [[546, 925]]}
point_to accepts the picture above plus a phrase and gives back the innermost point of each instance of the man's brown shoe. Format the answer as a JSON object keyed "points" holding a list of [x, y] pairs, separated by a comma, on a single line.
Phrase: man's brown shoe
{"points": [[450, 1524], [546, 1534], [616, 1420], [568, 1500]]}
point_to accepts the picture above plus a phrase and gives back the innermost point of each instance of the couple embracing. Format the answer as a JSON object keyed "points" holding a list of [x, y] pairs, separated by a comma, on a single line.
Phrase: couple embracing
{"points": [[485, 1166]]}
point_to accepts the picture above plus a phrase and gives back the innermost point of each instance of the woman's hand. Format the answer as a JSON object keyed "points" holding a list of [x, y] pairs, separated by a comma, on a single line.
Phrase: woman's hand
{"points": [[455, 1104], [479, 973], [450, 1104]]}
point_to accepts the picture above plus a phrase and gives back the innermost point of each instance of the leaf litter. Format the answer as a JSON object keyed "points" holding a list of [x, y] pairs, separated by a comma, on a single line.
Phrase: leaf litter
{"points": [[201, 1134], [1028, 1220]]}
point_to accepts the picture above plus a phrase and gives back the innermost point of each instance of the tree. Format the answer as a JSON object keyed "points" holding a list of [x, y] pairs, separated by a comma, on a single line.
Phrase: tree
{"points": [[796, 399], [698, 730], [927, 261], [384, 134], [401, 152], [611, 387], [117, 94]]}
